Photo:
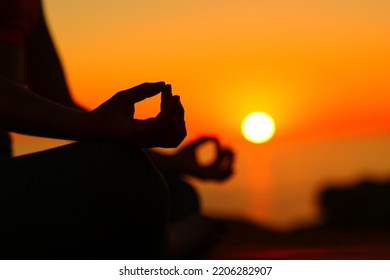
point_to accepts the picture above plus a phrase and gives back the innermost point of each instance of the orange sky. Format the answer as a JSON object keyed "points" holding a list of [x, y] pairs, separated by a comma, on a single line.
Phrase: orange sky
{"points": [[320, 68]]}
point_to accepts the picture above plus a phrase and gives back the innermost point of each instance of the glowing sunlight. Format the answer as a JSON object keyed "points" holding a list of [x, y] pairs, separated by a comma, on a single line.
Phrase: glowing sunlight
{"points": [[258, 127]]}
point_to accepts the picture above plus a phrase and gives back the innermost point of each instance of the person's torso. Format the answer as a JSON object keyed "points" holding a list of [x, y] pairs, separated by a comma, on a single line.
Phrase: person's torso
{"points": [[17, 20]]}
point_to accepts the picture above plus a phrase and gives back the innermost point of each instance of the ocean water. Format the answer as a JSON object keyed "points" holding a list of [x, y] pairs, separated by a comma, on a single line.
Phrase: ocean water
{"points": [[282, 188]]}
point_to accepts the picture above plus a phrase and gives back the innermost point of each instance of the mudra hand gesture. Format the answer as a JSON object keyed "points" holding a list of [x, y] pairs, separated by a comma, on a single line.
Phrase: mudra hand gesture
{"points": [[219, 169], [114, 119]]}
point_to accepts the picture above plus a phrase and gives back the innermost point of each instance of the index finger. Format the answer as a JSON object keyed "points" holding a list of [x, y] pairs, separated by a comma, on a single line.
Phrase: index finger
{"points": [[202, 140], [142, 91]]}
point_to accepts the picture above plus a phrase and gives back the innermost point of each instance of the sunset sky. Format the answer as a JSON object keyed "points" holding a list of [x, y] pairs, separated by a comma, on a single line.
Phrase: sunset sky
{"points": [[319, 68]]}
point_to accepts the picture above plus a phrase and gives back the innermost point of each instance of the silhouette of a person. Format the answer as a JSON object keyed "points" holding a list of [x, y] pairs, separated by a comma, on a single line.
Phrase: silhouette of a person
{"points": [[101, 197]]}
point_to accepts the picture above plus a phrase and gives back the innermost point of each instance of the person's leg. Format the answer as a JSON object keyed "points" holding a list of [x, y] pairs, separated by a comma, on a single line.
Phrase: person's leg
{"points": [[191, 232], [5, 145], [83, 201], [184, 200]]}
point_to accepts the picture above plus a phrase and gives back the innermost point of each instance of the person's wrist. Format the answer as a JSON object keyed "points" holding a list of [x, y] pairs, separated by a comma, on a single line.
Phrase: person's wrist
{"points": [[93, 128]]}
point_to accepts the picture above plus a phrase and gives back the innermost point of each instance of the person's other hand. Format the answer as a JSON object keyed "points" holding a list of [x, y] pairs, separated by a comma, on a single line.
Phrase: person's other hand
{"points": [[114, 119], [219, 169]]}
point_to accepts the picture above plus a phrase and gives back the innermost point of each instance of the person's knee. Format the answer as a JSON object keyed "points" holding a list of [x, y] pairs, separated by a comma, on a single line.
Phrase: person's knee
{"points": [[127, 198], [97, 192], [184, 200], [127, 171]]}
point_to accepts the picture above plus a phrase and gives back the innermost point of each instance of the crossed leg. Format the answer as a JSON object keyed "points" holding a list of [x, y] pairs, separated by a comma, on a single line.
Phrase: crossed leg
{"points": [[86, 200]]}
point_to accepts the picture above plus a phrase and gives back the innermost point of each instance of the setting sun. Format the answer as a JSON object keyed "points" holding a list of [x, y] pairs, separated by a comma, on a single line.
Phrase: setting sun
{"points": [[258, 127]]}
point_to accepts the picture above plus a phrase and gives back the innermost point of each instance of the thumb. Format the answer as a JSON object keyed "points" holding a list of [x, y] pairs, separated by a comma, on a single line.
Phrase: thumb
{"points": [[166, 95], [141, 92]]}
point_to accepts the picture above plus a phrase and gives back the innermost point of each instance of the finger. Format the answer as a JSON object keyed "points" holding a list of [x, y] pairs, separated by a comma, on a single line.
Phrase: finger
{"points": [[182, 131], [225, 174], [166, 95], [173, 110], [226, 165], [142, 91], [228, 160], [179, 109], [201, 140], [171, 107], [220, 153]]}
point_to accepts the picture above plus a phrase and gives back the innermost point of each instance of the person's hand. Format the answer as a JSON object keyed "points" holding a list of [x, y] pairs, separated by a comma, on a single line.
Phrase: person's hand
{"points": [[114, 119], [219, 169]]}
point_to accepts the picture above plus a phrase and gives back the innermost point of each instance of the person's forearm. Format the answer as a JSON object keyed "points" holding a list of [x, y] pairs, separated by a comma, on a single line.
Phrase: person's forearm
{"points": [[25, 112]]}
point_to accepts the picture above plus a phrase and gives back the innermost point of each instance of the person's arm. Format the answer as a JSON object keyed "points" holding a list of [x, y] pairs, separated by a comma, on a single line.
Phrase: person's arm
{"points": [[23, 111], [44, 72]]}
